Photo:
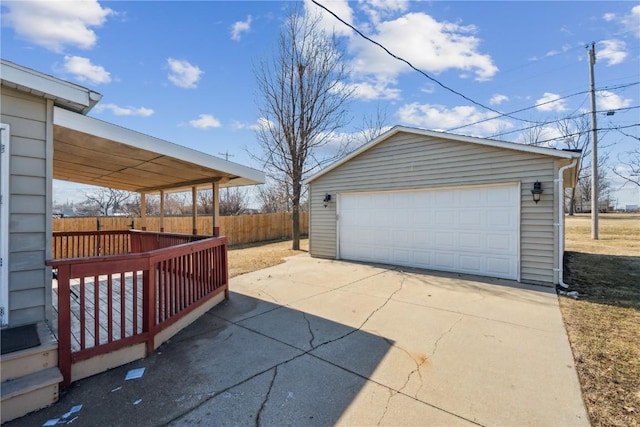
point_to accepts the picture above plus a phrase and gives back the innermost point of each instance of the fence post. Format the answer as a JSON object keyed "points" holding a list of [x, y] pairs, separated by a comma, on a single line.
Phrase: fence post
{"points": [[64, 323]]}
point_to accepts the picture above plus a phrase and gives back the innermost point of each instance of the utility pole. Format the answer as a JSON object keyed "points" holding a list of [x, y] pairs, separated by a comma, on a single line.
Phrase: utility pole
{"points": [[594, 146], [226, 157]]}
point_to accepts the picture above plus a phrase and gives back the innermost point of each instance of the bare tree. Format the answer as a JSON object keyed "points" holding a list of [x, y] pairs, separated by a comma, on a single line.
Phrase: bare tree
{"points": [[205, 202], [274, 197], [576, 136], [103, 202], [304, 101], [233, 201], [373, 126], [629, 167]]}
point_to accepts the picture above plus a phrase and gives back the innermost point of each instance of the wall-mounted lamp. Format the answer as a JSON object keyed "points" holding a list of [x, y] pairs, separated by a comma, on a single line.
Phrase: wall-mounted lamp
{"points": [[326, 200], [537, 191]]}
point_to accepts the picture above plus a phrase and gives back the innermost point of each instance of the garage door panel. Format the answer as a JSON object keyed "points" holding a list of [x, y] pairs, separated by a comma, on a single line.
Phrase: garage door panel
{"points": [[472, 230], [470, 218], [471, 241], [444, 217], [471, 263]]}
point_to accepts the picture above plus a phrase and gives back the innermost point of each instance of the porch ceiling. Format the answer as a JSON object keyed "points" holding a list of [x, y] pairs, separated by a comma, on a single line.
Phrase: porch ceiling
{"points": [[90, 151]]}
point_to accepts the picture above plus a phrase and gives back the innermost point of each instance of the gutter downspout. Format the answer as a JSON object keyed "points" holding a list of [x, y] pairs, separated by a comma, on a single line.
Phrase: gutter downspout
{"points": [[560, 223]]}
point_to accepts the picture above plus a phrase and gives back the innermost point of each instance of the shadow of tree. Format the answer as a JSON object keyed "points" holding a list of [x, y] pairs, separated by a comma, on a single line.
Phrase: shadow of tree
{"points": [[604, 279]]}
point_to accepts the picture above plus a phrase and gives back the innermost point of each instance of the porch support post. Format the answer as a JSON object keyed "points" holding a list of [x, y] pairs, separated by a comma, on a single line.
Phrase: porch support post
{"points": [[215, 212], [143, 211], [194, 209], [162, 211]]}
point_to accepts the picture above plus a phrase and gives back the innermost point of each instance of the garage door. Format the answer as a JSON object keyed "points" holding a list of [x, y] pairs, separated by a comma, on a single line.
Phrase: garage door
{"points": [[470, 230]]}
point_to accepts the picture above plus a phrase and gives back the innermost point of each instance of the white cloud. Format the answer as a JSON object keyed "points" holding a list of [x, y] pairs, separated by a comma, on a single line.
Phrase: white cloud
{"points": [[379, 9], [240, 27], [428, 44], [614, 51], [370, 91], [609, 17], [498, 99], [551, 102], [84, 70], [439, 117], [630, 21], [124, 111], [57, 24], [183, 74], [205, 121], [329, 23], [606, 100]]}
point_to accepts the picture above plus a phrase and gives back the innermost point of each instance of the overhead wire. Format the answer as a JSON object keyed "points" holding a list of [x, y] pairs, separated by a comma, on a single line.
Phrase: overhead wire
{"points": [[401, 59], [499, 113]]}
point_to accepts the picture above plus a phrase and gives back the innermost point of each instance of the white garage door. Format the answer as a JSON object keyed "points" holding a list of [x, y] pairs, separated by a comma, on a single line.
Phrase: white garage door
{"points": [[470, 230]]}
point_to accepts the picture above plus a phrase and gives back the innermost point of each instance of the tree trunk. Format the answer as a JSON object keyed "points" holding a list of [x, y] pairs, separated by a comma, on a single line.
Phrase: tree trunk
{"points": [[295, 220], [295, 215], [572, 202]]}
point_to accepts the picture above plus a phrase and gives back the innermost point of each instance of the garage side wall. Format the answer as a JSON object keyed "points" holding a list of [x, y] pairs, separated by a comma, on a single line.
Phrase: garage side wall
{"points": [[28, 236], [408, 162]]}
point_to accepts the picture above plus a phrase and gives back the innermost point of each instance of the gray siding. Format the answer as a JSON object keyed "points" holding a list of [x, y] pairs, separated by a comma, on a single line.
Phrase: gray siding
{"points": [[27, 116], [409, 161]]}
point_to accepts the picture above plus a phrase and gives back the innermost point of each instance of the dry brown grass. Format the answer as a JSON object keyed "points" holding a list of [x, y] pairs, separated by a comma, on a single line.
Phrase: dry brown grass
{"points": [[604, 323], [247, 258]]}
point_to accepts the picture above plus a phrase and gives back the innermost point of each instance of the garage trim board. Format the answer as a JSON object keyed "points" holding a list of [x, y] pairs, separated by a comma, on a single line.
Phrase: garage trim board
{"points": [[465, 229]]}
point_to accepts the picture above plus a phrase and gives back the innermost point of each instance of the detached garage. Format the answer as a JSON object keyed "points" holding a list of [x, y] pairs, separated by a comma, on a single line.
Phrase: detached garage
{"points": [[445, 202]]}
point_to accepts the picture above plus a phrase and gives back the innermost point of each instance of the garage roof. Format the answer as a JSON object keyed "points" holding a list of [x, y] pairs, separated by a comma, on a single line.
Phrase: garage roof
{"points": [[563, 154], [91, 151]]}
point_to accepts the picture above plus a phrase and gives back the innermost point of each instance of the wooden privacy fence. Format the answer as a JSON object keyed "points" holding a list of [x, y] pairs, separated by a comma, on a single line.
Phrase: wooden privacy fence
{"points": [[238, 230]]}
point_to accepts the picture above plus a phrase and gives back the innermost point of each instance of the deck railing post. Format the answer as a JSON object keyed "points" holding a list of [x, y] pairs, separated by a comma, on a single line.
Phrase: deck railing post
{"points": [[64, 323], [149, 306]]}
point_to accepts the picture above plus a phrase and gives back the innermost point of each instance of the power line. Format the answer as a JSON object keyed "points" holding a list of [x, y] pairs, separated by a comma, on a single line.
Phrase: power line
{"points": [[587, 131], [570, 117], [538, 105], [393, 55], [500, 114]]}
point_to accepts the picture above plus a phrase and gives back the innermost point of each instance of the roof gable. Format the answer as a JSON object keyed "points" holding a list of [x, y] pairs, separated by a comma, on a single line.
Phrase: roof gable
{"points": [[551, 152]]}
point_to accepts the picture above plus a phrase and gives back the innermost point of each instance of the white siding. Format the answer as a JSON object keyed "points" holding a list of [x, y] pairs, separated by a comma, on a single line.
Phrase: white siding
{"points": [[27, 116], [408, 161]]}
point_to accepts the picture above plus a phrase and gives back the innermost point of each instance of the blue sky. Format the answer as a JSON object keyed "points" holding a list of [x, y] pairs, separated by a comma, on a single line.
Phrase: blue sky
{"points": [[183, 71]]}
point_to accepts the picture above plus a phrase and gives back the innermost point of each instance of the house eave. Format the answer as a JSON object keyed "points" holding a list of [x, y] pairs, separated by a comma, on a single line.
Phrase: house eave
{"points": [[64, 94]]}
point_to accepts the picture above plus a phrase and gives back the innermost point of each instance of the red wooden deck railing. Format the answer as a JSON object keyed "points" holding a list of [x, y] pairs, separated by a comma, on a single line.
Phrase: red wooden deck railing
{"points": [[166, 277]]}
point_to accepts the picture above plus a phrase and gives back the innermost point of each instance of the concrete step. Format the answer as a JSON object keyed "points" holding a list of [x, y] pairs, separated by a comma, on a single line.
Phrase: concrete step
{"points": [[29, 393], [31, 360]]}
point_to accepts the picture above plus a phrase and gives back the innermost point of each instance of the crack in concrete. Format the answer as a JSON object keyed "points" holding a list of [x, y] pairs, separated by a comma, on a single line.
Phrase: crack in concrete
{"points": [[262, 291], [266, 398], [386, 407], [433, 352], [313, 337]]}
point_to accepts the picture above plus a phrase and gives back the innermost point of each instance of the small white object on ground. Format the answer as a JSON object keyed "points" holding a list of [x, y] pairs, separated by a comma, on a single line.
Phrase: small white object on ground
{"points": [[134, 374]]}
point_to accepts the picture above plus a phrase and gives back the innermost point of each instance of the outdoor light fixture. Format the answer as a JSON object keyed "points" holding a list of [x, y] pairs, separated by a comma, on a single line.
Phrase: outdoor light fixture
{"points": [[537, 191], [326, 200]]}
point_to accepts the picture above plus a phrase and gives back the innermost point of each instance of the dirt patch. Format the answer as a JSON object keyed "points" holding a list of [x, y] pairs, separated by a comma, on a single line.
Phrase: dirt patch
{"points": [[604, 323]]}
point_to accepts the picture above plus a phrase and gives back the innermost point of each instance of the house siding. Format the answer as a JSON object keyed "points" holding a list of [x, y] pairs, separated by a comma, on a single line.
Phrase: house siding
{"points": [[27, 116], [407, 161]]}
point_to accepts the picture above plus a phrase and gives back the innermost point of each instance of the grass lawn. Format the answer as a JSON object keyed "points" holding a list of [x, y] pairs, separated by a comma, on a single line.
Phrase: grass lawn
{"points": [[604, 322]]}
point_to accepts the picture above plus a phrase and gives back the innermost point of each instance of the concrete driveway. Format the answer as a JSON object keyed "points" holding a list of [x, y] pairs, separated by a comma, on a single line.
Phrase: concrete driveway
{"points": [[319, 342]]}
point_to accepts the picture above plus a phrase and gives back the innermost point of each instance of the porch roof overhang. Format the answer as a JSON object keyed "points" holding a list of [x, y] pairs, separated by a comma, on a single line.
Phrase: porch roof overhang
{"points": [[90, 151]]}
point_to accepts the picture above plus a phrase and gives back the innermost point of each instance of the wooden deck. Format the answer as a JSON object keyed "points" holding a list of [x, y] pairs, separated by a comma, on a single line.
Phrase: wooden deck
{"points": [[130, 288]]}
